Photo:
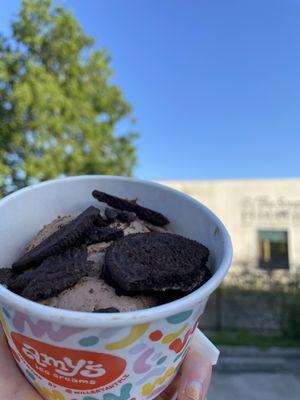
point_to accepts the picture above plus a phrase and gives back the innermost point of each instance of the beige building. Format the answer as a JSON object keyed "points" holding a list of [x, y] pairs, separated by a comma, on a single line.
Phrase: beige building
{"points": [[262, 217]]}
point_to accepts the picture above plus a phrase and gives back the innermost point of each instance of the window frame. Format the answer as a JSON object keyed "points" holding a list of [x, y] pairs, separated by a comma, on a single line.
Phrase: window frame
{"points": [[273, 265]]}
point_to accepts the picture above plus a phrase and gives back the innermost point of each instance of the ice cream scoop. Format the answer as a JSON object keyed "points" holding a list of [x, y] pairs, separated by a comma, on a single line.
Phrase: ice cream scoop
{"points": [[91, 294]]}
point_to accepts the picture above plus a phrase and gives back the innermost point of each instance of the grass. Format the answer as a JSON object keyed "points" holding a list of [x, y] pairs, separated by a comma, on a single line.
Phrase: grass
{"points": [[243, 338]]}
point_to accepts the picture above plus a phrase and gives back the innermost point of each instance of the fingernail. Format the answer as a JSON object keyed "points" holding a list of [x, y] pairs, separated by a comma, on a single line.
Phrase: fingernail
{"points": [[193, 390]]}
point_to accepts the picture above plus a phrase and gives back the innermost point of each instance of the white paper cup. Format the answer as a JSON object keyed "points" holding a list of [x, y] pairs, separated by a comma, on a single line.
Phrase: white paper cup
{"points": [[70, 355]]}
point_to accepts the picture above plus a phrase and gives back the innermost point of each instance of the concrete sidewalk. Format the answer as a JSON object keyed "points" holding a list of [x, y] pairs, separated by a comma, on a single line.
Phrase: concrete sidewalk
{"points": [[254, 386], [248, 373]]}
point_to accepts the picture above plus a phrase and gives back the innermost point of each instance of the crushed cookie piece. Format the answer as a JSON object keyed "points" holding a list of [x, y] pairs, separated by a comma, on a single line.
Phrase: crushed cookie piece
{"points": [[143, 213]]}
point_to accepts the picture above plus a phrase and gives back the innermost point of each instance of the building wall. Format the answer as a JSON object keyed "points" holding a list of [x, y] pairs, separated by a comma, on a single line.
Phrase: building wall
{"points": [[248, 206]]}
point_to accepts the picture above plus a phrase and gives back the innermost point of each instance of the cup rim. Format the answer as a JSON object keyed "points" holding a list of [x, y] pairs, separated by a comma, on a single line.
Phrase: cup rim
{"points": [[87, 319]]}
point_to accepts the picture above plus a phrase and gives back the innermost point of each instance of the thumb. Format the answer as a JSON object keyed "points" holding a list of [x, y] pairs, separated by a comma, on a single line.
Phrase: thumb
{"points": [[195, 378]]}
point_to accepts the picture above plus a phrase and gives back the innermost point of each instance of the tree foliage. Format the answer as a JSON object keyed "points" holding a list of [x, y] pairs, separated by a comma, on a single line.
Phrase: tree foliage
{"points": [[58, 108]]}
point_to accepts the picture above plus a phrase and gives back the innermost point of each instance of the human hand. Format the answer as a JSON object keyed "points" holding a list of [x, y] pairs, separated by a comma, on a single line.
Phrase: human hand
{"points": [[13, 384], [190, 384], [192, 381]]}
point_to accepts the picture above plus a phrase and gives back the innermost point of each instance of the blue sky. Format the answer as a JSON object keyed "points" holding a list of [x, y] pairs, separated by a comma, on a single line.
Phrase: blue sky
{"points": [[215, 84]]}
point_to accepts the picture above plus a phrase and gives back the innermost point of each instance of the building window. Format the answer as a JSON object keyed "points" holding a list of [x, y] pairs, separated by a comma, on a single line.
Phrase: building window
{"points": [[273, 249]]}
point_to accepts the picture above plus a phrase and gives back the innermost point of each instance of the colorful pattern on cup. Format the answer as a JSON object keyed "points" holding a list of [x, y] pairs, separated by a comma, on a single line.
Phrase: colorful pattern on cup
{"points": [[122, 363]]}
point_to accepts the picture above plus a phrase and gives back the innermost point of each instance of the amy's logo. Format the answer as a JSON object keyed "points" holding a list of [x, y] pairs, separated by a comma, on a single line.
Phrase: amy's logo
{"points": [[74, 369]]}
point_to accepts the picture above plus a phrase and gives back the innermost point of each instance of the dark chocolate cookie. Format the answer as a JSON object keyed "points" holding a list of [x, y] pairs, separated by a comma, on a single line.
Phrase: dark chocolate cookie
{"points": [[143, 213], [54, 275], [126, 216], [101, 222], [107, 310], [154, 262], [107, 234], [68, 236], [18, 282], [5, 275], [113, 215]]}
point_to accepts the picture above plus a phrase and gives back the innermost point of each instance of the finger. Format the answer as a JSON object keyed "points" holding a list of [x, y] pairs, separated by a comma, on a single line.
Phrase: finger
{"points": [[13, 385], [169, 393], [195, 378], [171, 390]]}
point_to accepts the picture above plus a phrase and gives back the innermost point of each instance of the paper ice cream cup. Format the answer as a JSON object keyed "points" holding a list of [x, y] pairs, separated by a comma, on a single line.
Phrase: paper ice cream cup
{"points": [[69, 355]]}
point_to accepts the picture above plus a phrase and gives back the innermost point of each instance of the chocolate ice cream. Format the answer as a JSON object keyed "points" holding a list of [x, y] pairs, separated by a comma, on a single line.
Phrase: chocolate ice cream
{"points": [[93, 293], [114, 259]]}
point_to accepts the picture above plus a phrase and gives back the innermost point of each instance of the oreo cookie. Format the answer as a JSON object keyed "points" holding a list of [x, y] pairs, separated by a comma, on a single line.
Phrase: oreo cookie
{"points": [[107, 234], [54, 275], [70, 235], [113, 215], [5, 275], [18, 282], [143, 213], [107, 310], [155, 262]]}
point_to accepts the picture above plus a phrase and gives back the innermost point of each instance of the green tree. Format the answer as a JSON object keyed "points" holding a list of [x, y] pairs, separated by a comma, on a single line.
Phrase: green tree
{"points": [[58, 108]]}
